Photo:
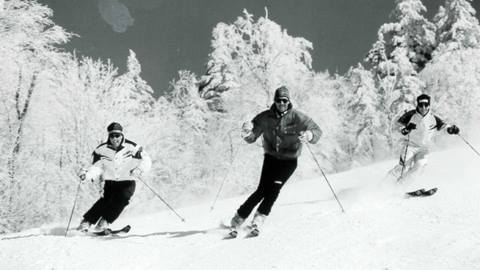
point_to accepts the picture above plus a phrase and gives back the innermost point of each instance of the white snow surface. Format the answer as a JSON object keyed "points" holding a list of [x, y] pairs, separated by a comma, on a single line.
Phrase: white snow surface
{"points": [[381, 229]]}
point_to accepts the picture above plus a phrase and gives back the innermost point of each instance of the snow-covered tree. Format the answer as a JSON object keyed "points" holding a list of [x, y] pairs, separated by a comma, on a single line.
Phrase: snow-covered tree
{"points": [[401, 51], [131, 90], [457, 26], [453, 80], [28, 55], [364, 118], [254, 57]]}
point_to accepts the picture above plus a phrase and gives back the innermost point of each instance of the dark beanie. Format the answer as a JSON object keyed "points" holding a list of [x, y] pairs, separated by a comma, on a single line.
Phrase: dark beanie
{"points": [[115, 127], [423, 98], [281, 92]]}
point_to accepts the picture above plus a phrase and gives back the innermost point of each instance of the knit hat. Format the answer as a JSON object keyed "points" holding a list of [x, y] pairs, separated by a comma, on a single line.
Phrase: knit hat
{"points": [[423, 98], [115, 127], [282, 92]]}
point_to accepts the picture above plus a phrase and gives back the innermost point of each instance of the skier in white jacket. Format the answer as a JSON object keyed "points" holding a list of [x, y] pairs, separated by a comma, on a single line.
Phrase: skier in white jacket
{"points": [[119, 162], [420, 126]]}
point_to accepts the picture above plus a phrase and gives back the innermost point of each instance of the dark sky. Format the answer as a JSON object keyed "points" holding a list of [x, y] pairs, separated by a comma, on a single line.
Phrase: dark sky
{"points": [[170, 35]]}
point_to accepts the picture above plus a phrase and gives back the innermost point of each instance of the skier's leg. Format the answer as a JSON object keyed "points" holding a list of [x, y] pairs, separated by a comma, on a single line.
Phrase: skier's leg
{"points": [[420, 160], [284, 169], [404, 162], [99, 207], [121, 198], [247, 207]]}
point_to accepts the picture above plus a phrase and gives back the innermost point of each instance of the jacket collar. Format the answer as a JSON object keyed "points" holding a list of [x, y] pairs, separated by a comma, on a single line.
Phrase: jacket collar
{"points": [[278, 114], [423, 116]]}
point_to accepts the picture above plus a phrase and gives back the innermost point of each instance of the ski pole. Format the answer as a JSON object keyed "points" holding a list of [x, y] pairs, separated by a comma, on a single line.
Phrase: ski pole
{"points": [[320, 168], [474, 150], [404, 158], [73, 208], [158, 196], [223, 182]]}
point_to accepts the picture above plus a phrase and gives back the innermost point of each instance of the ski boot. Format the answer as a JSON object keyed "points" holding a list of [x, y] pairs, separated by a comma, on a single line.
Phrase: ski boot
{"points": [[102, 225], [235, 223], [84, 226], [257, 222]]}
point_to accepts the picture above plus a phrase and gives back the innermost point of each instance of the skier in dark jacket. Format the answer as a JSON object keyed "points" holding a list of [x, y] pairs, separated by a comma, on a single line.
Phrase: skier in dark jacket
{"points": [[283, 129], [119, 162]]}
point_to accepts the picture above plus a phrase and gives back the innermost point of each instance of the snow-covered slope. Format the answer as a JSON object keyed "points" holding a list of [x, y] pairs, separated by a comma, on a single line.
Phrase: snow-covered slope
{"points": [[306, 230]]}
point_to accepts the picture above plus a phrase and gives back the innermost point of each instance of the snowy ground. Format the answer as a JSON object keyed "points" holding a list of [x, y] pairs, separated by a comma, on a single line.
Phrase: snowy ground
{"points": [[306, 230]]}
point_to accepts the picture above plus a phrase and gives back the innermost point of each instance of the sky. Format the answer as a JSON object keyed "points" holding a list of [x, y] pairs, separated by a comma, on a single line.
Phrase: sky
{"points": [[172, 35]]}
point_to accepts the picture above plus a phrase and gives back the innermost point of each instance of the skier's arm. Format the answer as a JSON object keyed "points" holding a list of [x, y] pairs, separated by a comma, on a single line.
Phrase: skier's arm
{"points": [[146, 161], [95, 171], [313, 128], [441, 125], [403, 123], [255, 131]]}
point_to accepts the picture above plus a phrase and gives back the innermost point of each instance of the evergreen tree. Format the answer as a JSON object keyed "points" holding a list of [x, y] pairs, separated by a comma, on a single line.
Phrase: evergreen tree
{"points": [[254, 58], [401, 51], [364, 120], [130, 90], [457, 26]]}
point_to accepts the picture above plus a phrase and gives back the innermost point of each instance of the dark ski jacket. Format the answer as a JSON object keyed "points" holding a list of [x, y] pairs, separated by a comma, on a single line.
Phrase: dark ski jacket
{"points": [[281, 131]]}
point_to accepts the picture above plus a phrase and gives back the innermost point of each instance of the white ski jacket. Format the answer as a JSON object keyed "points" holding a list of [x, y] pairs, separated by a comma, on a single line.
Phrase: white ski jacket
{"points": [[426, 127], [117, 165]]}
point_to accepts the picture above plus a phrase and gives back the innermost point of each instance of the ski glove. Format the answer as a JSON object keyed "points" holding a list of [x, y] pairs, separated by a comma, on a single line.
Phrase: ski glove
{"points": [[247, 129], [305, 136], [453, 130], [137, 173], [82, 174], [408, 128], [92, 174]]}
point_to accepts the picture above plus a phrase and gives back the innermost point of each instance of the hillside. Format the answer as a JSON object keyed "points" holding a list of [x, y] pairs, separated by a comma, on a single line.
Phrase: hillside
{"points": [[306, 230]]}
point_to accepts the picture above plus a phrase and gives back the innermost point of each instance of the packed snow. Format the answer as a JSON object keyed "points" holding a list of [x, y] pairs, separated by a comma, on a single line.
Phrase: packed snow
{"points": [[381, 229]]}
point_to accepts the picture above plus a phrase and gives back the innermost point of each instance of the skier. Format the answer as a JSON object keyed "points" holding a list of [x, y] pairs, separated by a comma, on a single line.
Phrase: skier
{"points": [[420, 125], [283, 129], [119, 162]]}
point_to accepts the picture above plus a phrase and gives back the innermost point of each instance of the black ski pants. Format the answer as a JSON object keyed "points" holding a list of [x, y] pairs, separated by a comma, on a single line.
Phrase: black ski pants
{"points": [[275, 173], [116, 195]]}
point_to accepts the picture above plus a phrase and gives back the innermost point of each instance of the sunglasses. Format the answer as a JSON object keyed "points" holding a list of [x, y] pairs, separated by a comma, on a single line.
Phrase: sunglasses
{"points": [[424, 105], [282, 100], [115, 135]]}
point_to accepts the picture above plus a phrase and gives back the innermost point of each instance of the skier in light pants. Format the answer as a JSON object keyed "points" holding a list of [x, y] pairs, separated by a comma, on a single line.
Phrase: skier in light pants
{"points": [[420, 125], [283, 129], [119, 162]]}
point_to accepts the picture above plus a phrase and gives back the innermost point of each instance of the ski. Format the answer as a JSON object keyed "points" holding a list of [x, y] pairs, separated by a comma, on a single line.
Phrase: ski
{"points": [[415, 193], [422, 192], [107, 232]]}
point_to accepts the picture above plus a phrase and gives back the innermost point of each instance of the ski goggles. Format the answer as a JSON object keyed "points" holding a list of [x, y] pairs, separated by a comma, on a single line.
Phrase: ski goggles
{"points": [[282, 100]]}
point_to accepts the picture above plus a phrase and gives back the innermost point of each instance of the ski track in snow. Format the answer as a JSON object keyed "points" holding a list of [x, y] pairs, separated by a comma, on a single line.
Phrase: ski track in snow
{"points": [[306, 230]]}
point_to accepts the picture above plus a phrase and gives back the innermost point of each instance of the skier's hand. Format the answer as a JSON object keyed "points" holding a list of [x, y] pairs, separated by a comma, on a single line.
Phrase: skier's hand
{"points": [[247, 129], [453, 130], [137, 172], [411, 126], [82, 174], [408, 128], [305, 136], [91, 174]]}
